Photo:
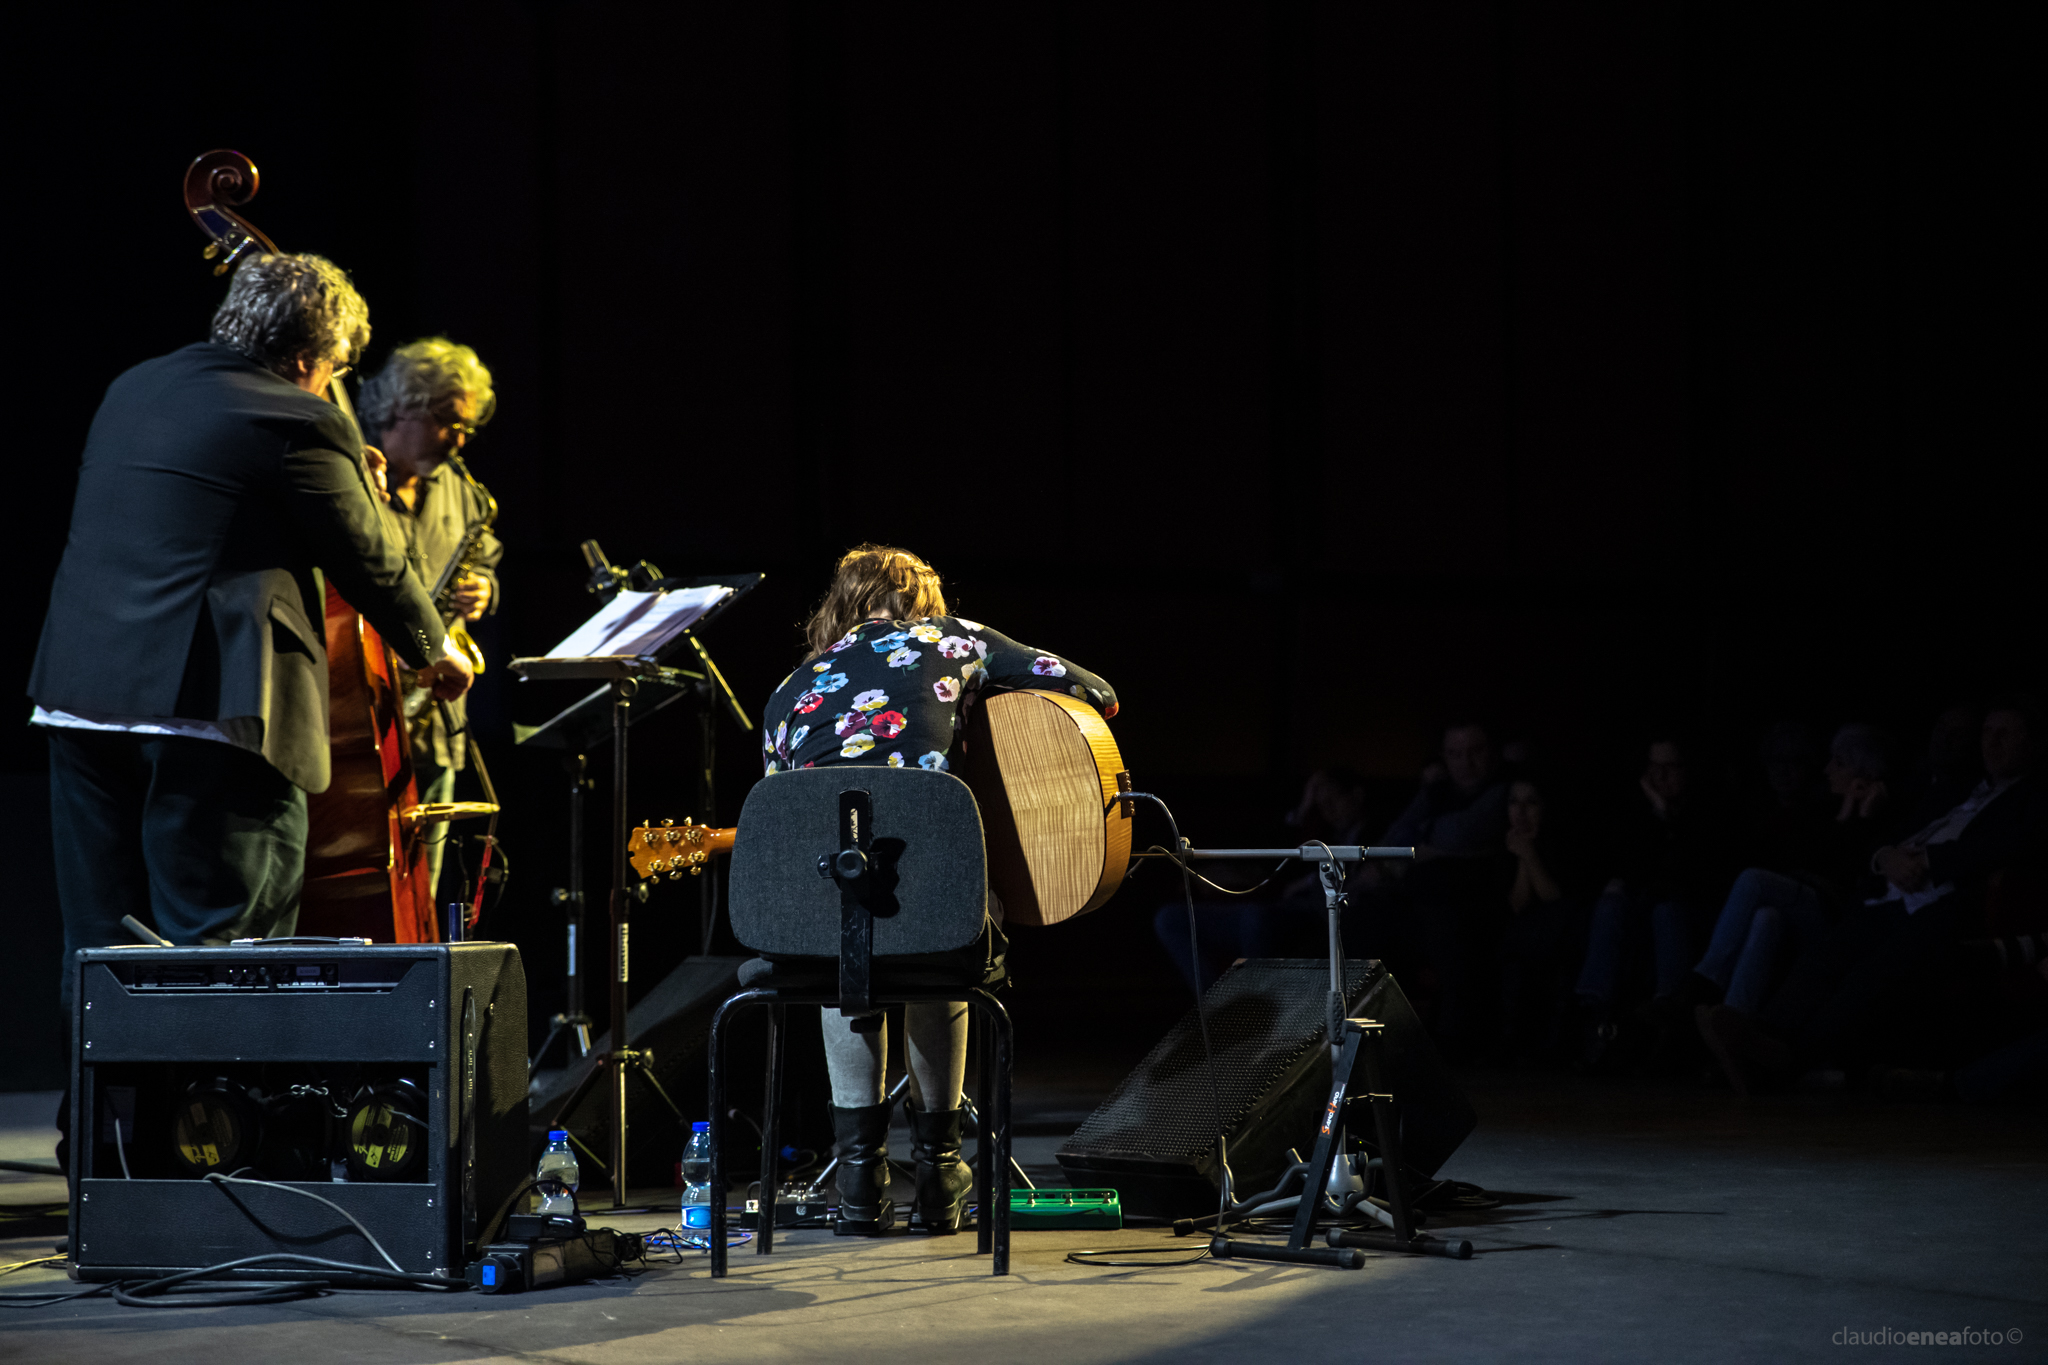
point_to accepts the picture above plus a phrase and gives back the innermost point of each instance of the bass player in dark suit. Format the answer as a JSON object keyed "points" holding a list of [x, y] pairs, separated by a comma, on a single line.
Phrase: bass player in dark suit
{"points": [[182, 672]]}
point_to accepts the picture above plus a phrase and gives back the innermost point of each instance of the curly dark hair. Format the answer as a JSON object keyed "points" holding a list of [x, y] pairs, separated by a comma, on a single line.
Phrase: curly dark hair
{"points": [[283, 309]]}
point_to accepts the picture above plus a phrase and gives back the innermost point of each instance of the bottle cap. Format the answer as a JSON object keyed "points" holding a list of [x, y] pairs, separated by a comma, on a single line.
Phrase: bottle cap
{"points": [[558, 1135], [701, 1126]]}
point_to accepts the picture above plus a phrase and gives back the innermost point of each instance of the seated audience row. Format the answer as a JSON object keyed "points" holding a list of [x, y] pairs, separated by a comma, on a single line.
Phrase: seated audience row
{"points": [[1807, 932]]}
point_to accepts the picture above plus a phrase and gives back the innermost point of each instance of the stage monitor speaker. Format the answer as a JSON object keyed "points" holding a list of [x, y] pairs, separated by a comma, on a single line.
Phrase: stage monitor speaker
{"points": [[1153, 1139], [389, 1079], [671, 1027]]}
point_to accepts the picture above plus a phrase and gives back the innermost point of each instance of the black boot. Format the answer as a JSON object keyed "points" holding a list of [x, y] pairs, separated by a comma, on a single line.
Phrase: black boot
{"points": [[861, 1141], [943, 1179]]}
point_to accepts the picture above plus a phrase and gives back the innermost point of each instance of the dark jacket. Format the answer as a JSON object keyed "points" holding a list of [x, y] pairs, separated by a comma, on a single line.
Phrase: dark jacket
{"points": [[212, 496], [2006, 833]]}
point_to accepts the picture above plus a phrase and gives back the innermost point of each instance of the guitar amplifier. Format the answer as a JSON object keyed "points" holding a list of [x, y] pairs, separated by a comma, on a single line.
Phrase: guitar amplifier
{"points": [[388, 1079]]}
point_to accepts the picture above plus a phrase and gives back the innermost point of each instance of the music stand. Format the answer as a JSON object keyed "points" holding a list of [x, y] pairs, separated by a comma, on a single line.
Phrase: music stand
{"points": [[585, 722], [621, 676]]}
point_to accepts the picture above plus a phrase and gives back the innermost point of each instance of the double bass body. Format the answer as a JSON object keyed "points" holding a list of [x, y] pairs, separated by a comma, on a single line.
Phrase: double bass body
{"points": [[366, 851]]}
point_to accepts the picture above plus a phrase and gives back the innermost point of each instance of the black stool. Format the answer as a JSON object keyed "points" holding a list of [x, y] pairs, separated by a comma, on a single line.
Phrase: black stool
{"points": [[884, 870]]}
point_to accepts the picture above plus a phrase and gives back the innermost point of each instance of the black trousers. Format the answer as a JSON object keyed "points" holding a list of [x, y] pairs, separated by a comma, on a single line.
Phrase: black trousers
{"points": [[204, 841]]}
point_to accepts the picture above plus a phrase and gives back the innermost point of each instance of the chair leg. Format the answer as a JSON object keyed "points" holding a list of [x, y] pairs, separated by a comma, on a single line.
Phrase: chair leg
{"points": [[715, 1055], [771, 1133], [1000, 1084], [985, 1172]]}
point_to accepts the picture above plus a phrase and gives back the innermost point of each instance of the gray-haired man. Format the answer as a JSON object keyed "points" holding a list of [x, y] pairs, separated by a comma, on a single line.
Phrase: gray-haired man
{"points": [[420, 410]]}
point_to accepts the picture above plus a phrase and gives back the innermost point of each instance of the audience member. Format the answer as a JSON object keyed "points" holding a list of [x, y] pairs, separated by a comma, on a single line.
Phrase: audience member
{"points": [[1672, 858], [1461, 809], [1545, 928], [1797, 902], [1432, 921], [1832, 1008], [1289, 920], [1791, 820]]}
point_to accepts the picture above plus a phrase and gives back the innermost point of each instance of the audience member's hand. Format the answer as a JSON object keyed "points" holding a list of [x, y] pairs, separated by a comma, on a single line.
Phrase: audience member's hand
{"points": [[1904, 867], [1435, 773], [1521, 845]]}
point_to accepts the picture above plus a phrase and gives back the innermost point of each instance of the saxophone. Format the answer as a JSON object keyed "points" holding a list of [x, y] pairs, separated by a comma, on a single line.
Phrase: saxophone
{"points": [[459, 563]]}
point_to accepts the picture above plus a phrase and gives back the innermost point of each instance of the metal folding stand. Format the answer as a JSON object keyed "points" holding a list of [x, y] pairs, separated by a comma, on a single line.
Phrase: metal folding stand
{"points": [[623, 675], [573, 730], [572, 1021], [1351, 1041]]}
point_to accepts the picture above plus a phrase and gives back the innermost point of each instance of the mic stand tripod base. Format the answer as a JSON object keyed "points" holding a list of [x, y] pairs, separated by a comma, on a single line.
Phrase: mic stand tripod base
{"points": [[1342, 1258], [1421, 1244]]}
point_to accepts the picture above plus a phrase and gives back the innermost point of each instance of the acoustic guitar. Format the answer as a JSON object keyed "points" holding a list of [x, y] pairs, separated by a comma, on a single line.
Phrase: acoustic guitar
{"points": [[1044, 769], [675, 849], [1045, 772]]}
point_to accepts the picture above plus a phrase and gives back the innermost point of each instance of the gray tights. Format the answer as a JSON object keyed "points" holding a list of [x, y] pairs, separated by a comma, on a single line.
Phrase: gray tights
{"points": [[937, 1032]]}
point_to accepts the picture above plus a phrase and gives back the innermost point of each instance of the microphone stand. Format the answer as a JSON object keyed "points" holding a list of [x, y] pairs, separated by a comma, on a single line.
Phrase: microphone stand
{"points": [[1352, 1042]]}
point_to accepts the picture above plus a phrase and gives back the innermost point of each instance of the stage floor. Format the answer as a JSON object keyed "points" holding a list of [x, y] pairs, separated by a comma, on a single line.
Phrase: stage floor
{"points": [[1643, 1222]]}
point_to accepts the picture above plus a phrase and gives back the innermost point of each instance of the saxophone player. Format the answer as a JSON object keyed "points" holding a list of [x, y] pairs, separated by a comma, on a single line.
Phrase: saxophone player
{"points": [[420, 410]]}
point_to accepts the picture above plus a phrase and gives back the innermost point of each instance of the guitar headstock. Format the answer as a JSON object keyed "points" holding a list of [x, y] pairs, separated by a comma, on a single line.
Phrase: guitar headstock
{"points": [[675, 849], [215, 184]]}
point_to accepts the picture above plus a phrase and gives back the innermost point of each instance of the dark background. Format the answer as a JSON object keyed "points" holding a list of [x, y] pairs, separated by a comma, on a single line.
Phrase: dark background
{"points": [[1314, 372]]}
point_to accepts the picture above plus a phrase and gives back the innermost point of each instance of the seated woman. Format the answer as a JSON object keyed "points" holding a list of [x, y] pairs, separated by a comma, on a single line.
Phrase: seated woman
{"points": [[1546, 926], [887, 679]]}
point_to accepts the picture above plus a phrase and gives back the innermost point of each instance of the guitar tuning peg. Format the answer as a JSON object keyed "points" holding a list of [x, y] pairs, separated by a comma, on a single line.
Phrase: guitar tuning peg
{"points": [[671, 822], [696, 872]]}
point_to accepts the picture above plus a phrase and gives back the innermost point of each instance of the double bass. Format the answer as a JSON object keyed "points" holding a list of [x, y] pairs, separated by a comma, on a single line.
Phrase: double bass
{"points": [[367, 834]]}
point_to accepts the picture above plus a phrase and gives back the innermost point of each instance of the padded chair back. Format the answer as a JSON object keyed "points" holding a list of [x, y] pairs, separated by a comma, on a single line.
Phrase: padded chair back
{"points": [[931, 869]]}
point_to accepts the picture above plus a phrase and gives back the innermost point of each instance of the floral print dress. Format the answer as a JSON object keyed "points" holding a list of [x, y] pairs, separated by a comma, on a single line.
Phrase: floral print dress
{"points": [[892, 692]]}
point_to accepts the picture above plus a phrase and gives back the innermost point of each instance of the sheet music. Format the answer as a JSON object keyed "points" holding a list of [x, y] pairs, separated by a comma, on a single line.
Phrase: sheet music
{"points": [[640, 623]]}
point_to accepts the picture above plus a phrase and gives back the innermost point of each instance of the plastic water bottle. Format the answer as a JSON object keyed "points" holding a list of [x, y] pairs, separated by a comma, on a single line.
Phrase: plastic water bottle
{"points": [[558, 1175], [697, 1178]]}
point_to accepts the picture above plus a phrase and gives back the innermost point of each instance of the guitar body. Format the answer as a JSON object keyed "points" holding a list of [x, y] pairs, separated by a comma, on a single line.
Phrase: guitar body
{"points": [[366, 860], [1043, 767]]}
